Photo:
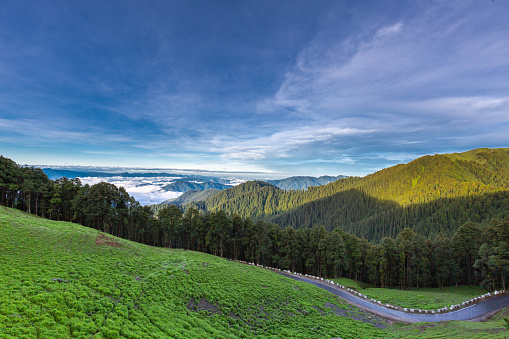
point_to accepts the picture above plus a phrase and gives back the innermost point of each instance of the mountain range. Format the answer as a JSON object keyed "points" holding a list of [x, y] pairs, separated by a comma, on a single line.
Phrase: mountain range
{"points": [[197, 192], [179, 182], [431, 194], [185, 185]]}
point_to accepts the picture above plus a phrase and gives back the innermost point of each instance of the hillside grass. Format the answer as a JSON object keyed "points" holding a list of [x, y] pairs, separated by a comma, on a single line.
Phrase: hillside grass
{"points": [[425, 298], [349, 283], [61, 280], [493, 328], [416, 298]]}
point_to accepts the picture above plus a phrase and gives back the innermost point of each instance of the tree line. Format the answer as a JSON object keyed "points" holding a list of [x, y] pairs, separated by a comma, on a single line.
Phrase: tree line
{"points": [[473, 254]]}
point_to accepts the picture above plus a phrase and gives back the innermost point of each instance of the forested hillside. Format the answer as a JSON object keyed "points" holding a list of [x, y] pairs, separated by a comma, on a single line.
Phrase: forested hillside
{"points": [[373, 219], [185, 198], [185, 185], [473, 253], [431, 194]]}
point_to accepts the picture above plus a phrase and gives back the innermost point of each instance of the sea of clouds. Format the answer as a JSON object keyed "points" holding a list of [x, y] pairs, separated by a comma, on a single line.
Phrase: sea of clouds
{"points": [[146, 184], [147, 191]]}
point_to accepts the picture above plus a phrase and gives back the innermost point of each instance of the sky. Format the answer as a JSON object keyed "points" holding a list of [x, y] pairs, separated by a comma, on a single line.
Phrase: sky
{"points": [[283, 87]]}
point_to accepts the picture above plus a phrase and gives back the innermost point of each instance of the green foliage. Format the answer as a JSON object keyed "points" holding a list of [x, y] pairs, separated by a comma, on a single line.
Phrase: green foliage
{"points": [[405, 258], [493, 256]]}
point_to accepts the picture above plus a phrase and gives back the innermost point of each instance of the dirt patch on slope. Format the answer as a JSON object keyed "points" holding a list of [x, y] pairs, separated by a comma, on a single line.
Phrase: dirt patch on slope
{"points": [[359, 315], [103, 239], [202, 305]]}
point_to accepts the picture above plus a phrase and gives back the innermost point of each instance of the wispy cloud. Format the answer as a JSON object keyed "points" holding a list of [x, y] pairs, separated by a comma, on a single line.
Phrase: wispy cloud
{"points": [[486, 109], [389, 30], [283, 144], [406, 70], [51, 132]]}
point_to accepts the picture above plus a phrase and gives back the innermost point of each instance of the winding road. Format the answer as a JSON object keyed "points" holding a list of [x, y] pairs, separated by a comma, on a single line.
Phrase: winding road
{"points": [[468, 313]]}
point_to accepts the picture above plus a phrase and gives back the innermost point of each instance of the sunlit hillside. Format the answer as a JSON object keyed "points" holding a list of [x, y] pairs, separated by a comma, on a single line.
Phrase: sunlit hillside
{"points": [[61, 280]]}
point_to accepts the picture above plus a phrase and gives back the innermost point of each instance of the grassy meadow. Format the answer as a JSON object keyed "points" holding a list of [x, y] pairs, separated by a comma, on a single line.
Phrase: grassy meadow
{"points": [[417, 298], [425, 298], [494, 328], [349, 283], [62, 280]]}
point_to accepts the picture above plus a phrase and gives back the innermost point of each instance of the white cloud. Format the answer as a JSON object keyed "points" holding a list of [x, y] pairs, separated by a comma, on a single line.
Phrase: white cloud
{"points": [[403, 157], [149, 190], [411, 82], [475, 104], [389, 30], [282, 144]]}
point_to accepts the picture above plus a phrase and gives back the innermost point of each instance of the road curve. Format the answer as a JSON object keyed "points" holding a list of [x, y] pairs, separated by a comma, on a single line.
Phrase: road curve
{"points": [[468, 313]]}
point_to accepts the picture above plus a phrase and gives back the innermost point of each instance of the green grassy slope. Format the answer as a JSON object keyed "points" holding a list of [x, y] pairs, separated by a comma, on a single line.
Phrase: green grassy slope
{"points": [[493, 328], [61, 280], [417, 298], [425, 298]]}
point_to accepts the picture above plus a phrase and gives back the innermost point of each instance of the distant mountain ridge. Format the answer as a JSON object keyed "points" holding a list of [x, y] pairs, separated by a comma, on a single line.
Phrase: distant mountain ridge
{"points": [[194, 195], [55, 174], [303, 182], [184, 183], [184, 186]]}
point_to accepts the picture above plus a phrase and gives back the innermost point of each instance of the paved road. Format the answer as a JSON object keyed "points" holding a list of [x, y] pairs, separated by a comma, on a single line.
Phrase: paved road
{"points": [[467, 313]]}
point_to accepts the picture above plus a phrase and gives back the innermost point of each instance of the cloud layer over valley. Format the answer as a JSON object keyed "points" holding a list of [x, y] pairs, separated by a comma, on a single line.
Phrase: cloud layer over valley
{"points": [[145, 190]]}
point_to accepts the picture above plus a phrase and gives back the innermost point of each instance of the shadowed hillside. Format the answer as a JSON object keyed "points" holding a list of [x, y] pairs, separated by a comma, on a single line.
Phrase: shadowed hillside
{"points": [[373, 219]]}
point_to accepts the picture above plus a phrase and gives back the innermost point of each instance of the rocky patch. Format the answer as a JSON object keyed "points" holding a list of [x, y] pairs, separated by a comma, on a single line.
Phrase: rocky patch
{"points": [[203, 305], [103, 239]]}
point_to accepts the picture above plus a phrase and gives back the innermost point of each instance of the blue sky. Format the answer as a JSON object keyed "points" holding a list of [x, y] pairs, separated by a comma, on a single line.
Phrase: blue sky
{"points": [[294, 87]]}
